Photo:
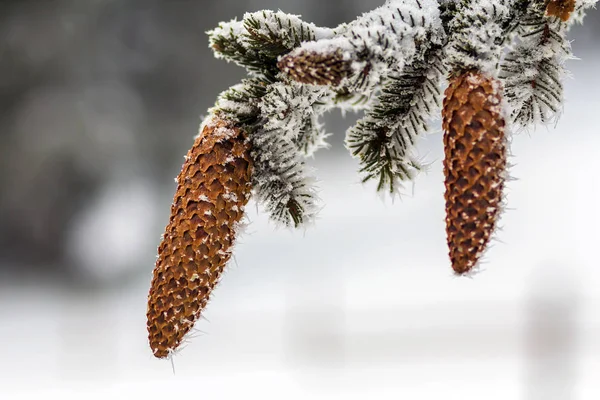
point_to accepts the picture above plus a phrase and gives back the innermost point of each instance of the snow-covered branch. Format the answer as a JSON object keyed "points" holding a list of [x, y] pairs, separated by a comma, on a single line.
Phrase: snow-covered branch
{"points": [[500, 58], [392, 62]]}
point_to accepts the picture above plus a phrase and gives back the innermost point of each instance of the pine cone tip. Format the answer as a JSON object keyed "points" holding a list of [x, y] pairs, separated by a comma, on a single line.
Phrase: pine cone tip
{"points": [[315, 68]]}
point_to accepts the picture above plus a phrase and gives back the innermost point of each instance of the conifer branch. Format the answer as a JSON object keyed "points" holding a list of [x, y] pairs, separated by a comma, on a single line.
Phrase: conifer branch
{"points": [[281, 181], [533, 72], [390, 62], [240, 103], [280, 133], [260, 38], [383, 140], [476, 35], [359, 57], [312, 135]]}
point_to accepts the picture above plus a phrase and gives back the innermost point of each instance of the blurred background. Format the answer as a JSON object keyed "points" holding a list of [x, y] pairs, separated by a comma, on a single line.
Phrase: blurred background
{"points": [[100, 100]]}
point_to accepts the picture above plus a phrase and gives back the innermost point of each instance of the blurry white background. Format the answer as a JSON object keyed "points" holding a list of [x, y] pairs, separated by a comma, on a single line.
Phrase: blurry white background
{"points": [[99, 100]]}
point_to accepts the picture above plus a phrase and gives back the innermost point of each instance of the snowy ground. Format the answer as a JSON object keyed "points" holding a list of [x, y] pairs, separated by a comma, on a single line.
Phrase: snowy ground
{"points": [[363, 305]]}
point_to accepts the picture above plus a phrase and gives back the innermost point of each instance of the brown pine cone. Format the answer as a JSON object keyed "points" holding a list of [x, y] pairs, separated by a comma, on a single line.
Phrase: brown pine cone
{"points": [[315, 68], [560, 8], [474, 165], [212, 189]]}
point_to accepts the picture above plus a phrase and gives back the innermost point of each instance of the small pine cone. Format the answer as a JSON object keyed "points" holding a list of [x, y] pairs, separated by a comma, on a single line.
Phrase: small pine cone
{"points": [[474, 165], [212, 189], [560, 8], [315, 68]]}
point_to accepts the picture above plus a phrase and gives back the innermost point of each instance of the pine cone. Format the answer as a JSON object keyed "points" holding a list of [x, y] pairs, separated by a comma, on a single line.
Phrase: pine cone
{"points": [[212, 189], [315, 68], [560, 8], [474, 165]]}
